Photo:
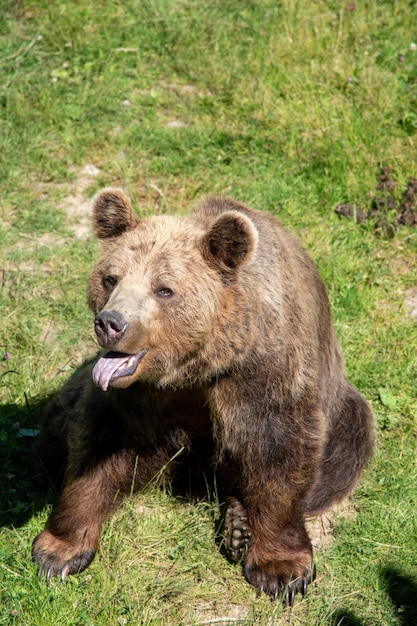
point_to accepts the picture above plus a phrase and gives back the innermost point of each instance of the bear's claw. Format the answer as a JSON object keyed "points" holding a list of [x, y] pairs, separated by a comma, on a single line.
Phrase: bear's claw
{"points": [[50, 566], [55, 557], [274, 585]]}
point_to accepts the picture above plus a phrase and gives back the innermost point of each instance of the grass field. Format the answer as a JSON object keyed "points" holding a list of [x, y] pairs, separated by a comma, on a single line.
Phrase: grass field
{"points": [[289, 106]]}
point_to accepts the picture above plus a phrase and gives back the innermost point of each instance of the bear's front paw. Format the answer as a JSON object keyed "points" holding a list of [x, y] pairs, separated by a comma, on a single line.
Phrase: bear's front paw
{"points": [[56, 557], [274, 580]]}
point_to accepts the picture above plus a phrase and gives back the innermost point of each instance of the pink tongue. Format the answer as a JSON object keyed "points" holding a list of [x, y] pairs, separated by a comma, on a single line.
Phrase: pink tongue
{"points": [[106, 367]]}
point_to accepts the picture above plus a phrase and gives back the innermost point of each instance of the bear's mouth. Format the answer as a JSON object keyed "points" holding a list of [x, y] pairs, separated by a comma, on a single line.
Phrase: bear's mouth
{"points": [[113, 365]]}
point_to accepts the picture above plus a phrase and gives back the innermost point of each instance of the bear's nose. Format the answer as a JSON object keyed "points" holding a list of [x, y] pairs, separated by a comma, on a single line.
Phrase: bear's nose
{"points": [[110, 327]]}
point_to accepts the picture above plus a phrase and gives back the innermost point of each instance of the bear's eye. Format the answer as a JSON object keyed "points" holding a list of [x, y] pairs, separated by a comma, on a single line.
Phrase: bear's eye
{"points": [[164, 292], [109, 281]]}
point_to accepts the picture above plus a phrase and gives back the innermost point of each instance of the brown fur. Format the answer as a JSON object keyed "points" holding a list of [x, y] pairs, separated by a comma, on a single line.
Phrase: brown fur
{"points": [[231, 325]]}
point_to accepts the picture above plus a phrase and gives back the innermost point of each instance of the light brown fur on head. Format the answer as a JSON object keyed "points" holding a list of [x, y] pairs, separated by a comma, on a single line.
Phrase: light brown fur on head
{"points": [[197, 262]]}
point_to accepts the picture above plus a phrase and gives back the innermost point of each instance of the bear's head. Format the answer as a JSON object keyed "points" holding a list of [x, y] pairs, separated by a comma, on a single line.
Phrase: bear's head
{"points": [[165, 291]]}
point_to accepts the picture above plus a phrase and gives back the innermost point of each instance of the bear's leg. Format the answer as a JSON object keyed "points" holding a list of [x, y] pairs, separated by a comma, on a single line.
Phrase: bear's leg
{"points": [[93, 488], [264, 519], [237, 535], [49, 459], [264, 528], [70, 539], [348, 448], [279, 561]]}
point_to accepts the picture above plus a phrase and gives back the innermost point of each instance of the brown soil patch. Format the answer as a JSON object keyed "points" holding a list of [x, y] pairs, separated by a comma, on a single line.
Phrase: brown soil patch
{"points": [[320, 528], [385, 210], [411, 302], [215, 613], [76, 206]]}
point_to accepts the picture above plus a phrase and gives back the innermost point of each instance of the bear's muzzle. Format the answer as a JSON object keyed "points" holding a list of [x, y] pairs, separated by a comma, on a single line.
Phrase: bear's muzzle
{"points": [[110, 327]]}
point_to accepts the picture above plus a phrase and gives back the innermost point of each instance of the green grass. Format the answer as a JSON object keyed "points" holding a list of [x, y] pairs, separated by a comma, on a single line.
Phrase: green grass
{"points": [[289, 106]]}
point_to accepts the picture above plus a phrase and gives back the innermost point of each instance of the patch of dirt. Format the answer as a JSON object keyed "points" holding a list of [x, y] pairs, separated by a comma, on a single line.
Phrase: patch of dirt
{"points": [[175, 123], [215, 613], [180, 89], [385, 210], [142, 509], [47, 240], [50, 333], [351, 211], [78, 211], [76, 206], [411, 302], [320, 528], [10, 272], [407, 213], [25, 267]]}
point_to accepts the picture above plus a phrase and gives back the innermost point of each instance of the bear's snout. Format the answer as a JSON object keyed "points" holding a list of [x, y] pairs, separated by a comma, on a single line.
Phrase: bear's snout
{"points": [[110, 327]]}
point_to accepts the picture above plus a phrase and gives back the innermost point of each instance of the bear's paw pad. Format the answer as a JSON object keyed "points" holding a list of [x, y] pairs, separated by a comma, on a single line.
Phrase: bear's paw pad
{"points": [[237, 532]]}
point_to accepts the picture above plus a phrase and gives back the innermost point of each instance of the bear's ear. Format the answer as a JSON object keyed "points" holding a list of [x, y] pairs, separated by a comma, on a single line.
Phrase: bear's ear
{"points": [[230, 242], [112, 213]]}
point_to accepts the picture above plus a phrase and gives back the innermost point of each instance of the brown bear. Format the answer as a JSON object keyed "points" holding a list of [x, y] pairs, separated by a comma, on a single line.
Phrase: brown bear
{"points": [[217, 334]]}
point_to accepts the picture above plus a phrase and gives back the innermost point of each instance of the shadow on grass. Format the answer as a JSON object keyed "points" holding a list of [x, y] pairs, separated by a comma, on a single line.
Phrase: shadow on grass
{"points": [[346, 618], [19, 498], [402, 591]]}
